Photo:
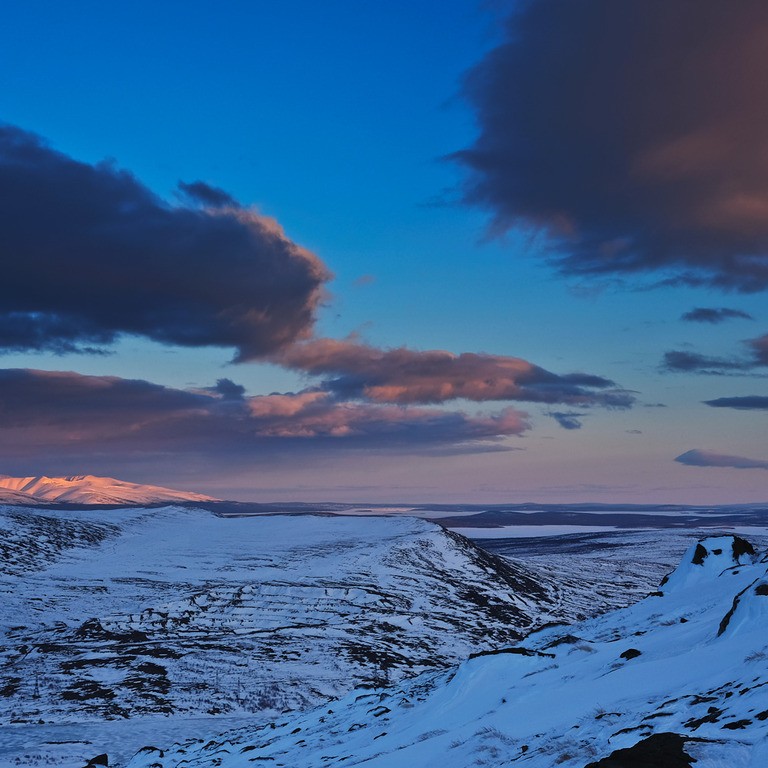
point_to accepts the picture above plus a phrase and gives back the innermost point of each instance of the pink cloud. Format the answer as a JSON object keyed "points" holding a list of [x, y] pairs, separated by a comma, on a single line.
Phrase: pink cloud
{"points": [[45, 412], [407, 376]]}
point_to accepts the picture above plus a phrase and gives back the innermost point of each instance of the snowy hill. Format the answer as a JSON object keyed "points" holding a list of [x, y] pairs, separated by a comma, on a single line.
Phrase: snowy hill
{"points": [[87, 489], [10, 496], [677, 677], [136, 624]]}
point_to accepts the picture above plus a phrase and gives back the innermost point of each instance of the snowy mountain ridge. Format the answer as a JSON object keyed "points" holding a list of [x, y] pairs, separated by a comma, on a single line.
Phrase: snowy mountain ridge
{"points": [[87, 489], [677, 678]]}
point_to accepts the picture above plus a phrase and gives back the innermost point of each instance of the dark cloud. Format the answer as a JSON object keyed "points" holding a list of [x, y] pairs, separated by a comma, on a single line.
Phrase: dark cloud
{"points": [[44, 413], [699, 458], [98, 404], [356, 370], [714, 315], [692, 362], [567, 420], [228, 389], [207, 195], [59, 334], [635, 134], [759, 349], [90, 254], [745, 403]]}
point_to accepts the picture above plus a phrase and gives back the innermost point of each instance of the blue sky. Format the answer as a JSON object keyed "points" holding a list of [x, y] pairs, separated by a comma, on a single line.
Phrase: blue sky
{"points": [[337, 119]]}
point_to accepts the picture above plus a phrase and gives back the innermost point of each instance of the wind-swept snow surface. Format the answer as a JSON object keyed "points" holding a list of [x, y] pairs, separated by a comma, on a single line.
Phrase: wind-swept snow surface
{"points": [[173, 614], [686, 665]]}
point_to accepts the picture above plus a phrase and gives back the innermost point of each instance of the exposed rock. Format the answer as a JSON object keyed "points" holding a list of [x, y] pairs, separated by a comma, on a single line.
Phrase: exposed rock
{"points": [[661, 750]]}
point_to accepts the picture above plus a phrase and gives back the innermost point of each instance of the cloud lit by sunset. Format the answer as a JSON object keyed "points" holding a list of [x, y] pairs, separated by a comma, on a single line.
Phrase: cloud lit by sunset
{"points": [[458, 259]]}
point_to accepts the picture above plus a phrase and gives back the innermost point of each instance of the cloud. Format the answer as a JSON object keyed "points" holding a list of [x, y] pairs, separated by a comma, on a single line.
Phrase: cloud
{"points": [[204, 194], [635, 135], [228, 390], [714, 315], [569, 420], [759, 349], [90, 254], [314, 414], [692, 362], [78, 405], [43, 413], [699, 458], [405, 376], [745, 403]]}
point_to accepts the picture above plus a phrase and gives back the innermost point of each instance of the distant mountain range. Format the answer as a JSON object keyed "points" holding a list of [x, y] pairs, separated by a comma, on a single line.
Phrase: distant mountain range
{"points": [[87, 489]]}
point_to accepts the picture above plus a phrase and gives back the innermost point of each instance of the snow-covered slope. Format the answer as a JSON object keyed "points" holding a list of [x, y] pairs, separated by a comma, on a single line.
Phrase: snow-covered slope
{"points": [[681, 673], [170, 615], [87, 489], [10, 496], [599, 572]]}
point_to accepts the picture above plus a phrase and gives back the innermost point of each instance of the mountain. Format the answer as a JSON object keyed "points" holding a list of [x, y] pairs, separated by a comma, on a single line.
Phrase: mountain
{"points": [[138, 624], [87, 489], [10, 496], [677, 678]]}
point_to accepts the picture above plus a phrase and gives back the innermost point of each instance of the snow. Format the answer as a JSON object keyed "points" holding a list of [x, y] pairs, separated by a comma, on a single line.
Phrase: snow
{"points": [[707, 559], [575, 699], [530, 531], [87, 489], [171, 615], [135, 627]]}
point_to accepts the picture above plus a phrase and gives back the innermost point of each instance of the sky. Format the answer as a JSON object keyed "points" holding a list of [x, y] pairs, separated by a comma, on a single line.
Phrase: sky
{"points": [[399, 252]]}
